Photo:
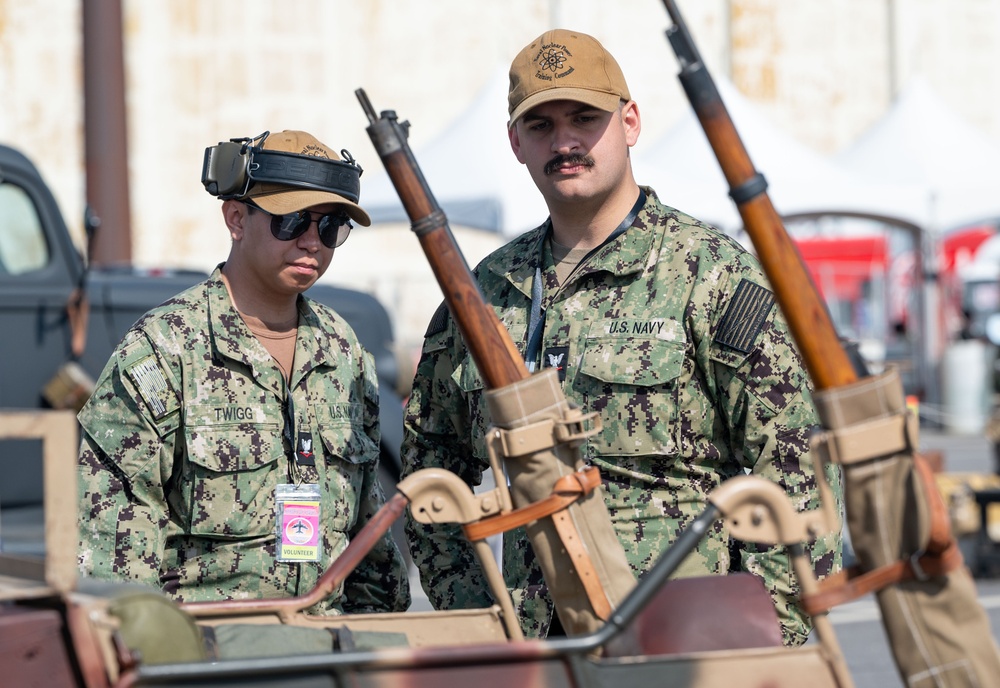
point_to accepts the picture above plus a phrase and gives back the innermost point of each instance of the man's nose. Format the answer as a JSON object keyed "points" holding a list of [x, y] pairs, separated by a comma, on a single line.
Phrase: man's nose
{"points": [[309, 240], [564, 139]]}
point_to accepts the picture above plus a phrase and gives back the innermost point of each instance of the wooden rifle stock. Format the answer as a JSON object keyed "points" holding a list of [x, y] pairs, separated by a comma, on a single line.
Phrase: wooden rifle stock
{"points": [[489, 343], [808, 319], [934, 623], [577, 549]]}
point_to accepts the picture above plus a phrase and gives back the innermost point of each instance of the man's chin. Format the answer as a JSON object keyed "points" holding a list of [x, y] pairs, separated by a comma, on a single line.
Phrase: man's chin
{"points": [[298, 283], [570, 188]]}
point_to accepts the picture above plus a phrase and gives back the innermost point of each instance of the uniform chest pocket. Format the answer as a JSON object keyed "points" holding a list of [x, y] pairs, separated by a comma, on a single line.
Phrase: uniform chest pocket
{"points": [[634, 384], [349, 455], [234, 455]]}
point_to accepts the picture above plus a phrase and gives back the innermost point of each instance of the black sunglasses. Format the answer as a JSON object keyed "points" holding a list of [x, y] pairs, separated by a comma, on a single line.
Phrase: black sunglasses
{"points": [[334, 227]]}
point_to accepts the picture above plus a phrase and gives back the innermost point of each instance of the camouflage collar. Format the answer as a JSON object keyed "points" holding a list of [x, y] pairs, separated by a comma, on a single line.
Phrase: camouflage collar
{"points": [[232, 338], [625, 254], [229, 334], [520, 259]]}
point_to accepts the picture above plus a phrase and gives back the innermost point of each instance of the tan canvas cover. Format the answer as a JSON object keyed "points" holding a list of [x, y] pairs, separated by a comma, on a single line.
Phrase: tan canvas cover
{"points": [[532, 475], [939, 634]]}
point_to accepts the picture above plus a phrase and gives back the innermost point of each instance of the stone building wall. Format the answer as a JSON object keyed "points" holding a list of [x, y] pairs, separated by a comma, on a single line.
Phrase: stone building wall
{"points": [[199, 72]]}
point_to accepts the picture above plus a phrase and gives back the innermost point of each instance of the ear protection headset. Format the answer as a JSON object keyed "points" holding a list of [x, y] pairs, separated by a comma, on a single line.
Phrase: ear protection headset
{"points": [[232, 167]]}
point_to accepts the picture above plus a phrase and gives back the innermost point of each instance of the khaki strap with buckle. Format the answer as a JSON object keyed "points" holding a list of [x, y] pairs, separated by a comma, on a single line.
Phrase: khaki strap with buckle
{"points": [[851, 583], [881, 437], [577, 551], [567, 490], [940, 556]]}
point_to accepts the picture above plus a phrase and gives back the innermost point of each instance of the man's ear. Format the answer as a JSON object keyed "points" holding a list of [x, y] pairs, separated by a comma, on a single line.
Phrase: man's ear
{"points": [[235, 214], [632, 122], [515, 142]]}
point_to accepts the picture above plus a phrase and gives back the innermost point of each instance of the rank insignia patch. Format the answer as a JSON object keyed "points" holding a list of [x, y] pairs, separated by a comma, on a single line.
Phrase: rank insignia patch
{"points": [[304, 450], [744, 317], [555, 357]]}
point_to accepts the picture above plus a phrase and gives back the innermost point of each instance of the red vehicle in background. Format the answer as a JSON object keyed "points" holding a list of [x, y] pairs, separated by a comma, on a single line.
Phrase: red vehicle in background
{"points": [[866, 269]]}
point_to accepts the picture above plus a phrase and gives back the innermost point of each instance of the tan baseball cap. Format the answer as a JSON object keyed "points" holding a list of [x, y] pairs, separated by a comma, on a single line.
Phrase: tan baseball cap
{"points": [[564, 65], [280, 198]]}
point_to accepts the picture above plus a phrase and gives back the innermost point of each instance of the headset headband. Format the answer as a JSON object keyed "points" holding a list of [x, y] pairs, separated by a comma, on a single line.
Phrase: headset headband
{"points": [[305, 172], [231, 168]]}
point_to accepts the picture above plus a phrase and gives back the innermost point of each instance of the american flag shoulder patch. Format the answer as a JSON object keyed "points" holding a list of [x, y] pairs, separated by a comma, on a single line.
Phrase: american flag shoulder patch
{"points": [[439, 321], [152, 385], [744, 317]]}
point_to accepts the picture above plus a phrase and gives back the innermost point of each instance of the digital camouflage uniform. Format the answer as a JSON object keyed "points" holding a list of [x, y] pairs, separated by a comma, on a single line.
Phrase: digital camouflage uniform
{"points": [[670, 332], [183, 447]]}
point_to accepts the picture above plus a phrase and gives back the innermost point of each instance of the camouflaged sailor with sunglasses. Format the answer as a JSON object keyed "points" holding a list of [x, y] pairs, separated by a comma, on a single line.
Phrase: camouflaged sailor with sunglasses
{"points": [[230, 449]]}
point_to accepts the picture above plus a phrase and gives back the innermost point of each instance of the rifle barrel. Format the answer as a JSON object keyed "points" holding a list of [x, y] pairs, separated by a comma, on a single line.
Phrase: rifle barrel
{"points": [[366, 105], [804, 309], [489, 343]]}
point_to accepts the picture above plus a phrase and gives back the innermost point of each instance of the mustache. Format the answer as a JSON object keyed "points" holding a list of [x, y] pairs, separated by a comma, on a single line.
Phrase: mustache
{"points": [[572, 159]]}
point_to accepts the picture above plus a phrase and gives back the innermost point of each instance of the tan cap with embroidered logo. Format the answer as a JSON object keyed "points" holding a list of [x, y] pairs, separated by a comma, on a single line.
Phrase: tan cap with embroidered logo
{"points": [[279, 199], [564, 65]]}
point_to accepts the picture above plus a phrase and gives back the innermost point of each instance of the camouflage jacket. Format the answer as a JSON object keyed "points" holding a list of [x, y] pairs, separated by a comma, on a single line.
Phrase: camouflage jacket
{"points": [[670, 331], [185, 440]]}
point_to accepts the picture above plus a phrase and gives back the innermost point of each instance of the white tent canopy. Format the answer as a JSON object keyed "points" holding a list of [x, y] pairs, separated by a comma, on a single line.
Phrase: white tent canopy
{"points": [[471, 171], [921, 142], [683, 170], [920, 163]]}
